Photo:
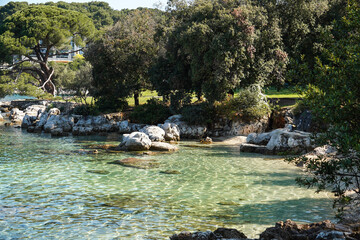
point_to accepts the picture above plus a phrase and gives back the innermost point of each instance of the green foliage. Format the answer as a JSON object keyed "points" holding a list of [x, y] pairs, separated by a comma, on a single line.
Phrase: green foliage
{"points": [[153, 112], [199, 114], [86, 110], [121, 58], [300, 107], [75, 78], [248, 105], [37, 32], [334, 98], [216, 46], [23, 84], [100, 12]]}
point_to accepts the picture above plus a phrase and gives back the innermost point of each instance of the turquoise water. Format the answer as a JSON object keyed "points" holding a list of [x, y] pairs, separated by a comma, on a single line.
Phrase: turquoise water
{"points": [[48, 193], [15, 97]]}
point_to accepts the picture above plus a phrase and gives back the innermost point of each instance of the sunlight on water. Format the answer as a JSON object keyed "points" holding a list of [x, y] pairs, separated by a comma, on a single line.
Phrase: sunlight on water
{"points": [[50, 190]]}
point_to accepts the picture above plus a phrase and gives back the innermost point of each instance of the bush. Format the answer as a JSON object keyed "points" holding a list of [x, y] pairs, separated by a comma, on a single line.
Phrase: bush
{"points": [[199, 114], [152, 112], [249, 105], [86, 110], [106, 104]]}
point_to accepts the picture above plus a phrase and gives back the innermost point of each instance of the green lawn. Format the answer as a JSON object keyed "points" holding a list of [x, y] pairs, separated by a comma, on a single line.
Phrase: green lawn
{"points": [[272, 92], [144, 96]]}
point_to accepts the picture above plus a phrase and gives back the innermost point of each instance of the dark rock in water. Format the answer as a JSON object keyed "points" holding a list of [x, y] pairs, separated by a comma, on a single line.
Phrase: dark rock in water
{"points": [[137, 163], [103, 172], [228, 203], [170, 172], [207, 140], [124, 201], [228, 233], [102, 146], [289, 230], [218, 234]]}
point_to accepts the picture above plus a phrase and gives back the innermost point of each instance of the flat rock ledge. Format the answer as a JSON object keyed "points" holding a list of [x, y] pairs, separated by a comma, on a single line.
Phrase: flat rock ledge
{"points": [[288, 230], [280, 141]]}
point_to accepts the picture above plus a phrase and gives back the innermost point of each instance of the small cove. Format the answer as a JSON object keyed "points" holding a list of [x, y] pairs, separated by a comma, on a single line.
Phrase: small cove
{"points": [[50, 189]]}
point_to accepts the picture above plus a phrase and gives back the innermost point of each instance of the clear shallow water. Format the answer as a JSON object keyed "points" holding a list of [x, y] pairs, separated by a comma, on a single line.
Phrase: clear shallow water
{"points": [[47, 193], [15, 97]]}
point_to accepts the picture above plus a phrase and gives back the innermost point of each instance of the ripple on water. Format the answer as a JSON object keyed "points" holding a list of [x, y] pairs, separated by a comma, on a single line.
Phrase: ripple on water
{"points": [[51, 190]]}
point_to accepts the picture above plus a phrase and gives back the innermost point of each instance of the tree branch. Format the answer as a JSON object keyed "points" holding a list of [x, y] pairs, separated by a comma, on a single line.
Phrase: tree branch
{"points": [[48, 80]]}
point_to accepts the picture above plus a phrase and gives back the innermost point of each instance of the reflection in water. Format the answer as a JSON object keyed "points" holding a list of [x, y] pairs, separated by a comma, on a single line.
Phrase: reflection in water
{"points": [[52, 189]]}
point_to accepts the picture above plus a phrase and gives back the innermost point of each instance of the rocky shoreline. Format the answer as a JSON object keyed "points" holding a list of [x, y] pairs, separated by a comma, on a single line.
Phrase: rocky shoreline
{"points": [[288, 230], [44, 117]]}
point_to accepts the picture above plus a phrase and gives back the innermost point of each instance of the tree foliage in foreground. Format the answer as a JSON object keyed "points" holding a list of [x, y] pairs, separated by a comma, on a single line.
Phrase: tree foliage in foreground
{"points": [[122, 56], [334, 98], [29, 37], [217, 46]]}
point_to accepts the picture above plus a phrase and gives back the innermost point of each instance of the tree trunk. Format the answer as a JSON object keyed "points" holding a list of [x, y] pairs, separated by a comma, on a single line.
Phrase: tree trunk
{"points": [[199, 96], [46, 79], [136, 98]]}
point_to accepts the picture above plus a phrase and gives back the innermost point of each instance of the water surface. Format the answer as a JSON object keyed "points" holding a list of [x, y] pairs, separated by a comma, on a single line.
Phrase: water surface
{"points": [[48, 193]]}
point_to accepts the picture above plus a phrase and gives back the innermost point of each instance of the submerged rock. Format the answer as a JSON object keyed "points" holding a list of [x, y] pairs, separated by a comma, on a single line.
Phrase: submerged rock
{"points": [[102, 172], [137, 163], [174, 172], [161, 146], [218, 234]]}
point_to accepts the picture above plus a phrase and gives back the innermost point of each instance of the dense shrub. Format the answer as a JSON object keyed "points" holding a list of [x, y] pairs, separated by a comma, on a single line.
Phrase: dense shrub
{"points": [[152, 112], [248, 105], [86, 110], [199, 114]]}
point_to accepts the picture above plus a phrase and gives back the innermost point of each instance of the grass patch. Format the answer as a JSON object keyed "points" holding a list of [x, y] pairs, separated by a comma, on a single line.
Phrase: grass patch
{"points": [[290, 92]]}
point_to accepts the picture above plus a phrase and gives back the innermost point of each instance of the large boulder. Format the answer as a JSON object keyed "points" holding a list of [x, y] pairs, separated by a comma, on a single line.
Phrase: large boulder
{"points": [[136, 141], [27, 121], [16, 115], [51, 123], [293, 142], [185, 130], [172, 131], [35, 110], [161, 146], [124, 127], [156, 134], [244, 128], [58, 132], [82, 131], [290, 230], [278, 141], [220, 233], [54, 111], [66, 123], [259, 139]]}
